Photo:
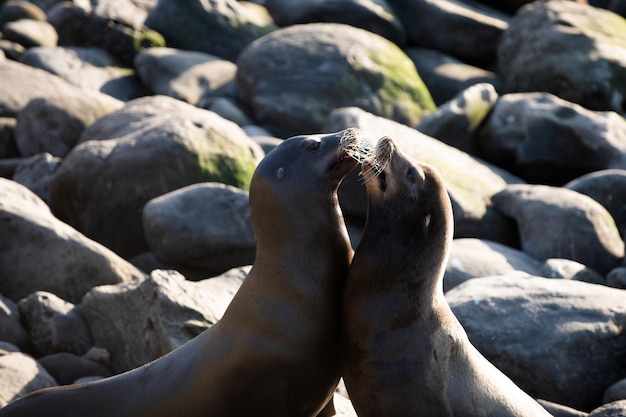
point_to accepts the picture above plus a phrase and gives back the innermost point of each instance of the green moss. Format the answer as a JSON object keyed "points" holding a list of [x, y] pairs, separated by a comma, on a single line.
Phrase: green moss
{"points": [[147, 38]]}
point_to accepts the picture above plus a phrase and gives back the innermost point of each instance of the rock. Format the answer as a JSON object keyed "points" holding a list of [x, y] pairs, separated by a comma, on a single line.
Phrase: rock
{"points": [[10, 50], [53, 324], [614, 409], [470, 182], [11, 330], [342, 66], [39, 252], [548, 46], [12, 10], [558, 410], [559, 223], [8, 147], [548, 140], [607, 187], [142, 321], [343, 406], [203, 226], [66, 368], [77, 26], [535, 329], [568, 269], [476, 258], [375, 16], [22, 83], [54, 125], [457, 121], [126, 158], [446, 76], [194, 77], [36, 173], [19, 375], [229, 109], [615, 392], [471, 32], [218, 27], [89, 68], [617, 278], [29, 33]]}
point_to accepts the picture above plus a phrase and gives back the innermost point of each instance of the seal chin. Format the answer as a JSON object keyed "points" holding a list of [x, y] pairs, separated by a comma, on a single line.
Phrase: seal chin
{"points": [[343, 164]]}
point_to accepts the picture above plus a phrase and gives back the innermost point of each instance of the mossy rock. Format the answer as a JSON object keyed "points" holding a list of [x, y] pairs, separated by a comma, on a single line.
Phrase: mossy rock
{"points": [[294, 77]]}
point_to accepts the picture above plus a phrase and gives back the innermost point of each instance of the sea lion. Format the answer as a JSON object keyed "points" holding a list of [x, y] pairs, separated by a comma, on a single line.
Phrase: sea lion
{"points": [[275, 352], [405, 353]]}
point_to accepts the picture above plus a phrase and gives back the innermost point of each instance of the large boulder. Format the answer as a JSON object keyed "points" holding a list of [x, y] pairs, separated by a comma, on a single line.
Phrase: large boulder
{"points": [[218, 27], [466, 30], [470, 182], [559, 340], [375, 16], [572, 50], [135, 154], [39, 252], [556, 222], [191, 76], [545, 139], [294, 77], [142, 321]]}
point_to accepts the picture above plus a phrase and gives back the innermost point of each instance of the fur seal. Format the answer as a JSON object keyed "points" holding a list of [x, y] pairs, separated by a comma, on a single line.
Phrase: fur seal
{"points": [[405, 353], [276, 350]]}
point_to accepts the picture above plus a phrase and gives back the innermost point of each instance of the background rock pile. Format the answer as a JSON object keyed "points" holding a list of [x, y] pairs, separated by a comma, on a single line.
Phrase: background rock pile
{"points": [[129, 131]]}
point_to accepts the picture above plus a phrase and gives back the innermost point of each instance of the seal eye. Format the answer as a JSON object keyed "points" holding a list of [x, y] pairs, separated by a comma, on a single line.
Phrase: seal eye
{"points": [[312, 146]]}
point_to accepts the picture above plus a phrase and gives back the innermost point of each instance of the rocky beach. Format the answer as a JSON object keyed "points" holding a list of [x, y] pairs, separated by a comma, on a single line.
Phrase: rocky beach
{"points": [[130, 130]]}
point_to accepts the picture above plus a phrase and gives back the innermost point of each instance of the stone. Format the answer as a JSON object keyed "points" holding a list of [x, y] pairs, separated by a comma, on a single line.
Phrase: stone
{"points": [[67, 263], [476, 258], [548, 46], [142, 321], [548, 140], [203, 226], [342, 66], [568, 269], [616, 392], [66, 367], [127, 158], [616, 278], [29, 33], [614, 409], [456, 122], [446, 76], [375, 16], [54, 125], [556, 222], [217, 27], [11, 329], [19, 375], [53, 324], [191, 76], [36, 173], [535, 330]]}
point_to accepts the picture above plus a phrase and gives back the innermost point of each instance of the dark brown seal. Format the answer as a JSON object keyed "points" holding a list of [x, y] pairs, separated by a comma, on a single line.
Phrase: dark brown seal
{"points": [[275, 352], [405, 352]]}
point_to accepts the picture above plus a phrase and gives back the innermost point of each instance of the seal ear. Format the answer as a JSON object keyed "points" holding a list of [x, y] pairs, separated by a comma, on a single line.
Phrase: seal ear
{"points": [[413, 179]]}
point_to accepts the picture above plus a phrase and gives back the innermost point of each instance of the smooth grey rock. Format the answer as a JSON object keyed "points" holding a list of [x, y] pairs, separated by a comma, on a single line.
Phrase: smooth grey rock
{"points": [[66, 367], [39, 252], [11, 329], [204, 226], [19, 375], [556, 222], [29, 33], [568, 269], [534, 330], [342, 66], [36, 173], [614, 409]]}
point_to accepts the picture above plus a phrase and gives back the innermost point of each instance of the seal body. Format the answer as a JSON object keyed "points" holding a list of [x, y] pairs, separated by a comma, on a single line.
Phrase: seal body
{"points": [[405, 353], [275, 352]]}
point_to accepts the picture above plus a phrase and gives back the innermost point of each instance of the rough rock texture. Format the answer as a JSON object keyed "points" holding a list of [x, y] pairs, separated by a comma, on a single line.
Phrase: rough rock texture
{"points": [[559, 223], [177, 311], [67, 263], [545, 139], [19, 375], [548, 45], [203, 226], [135, 154], [218, 27], [559, 340], [343, 66]]}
